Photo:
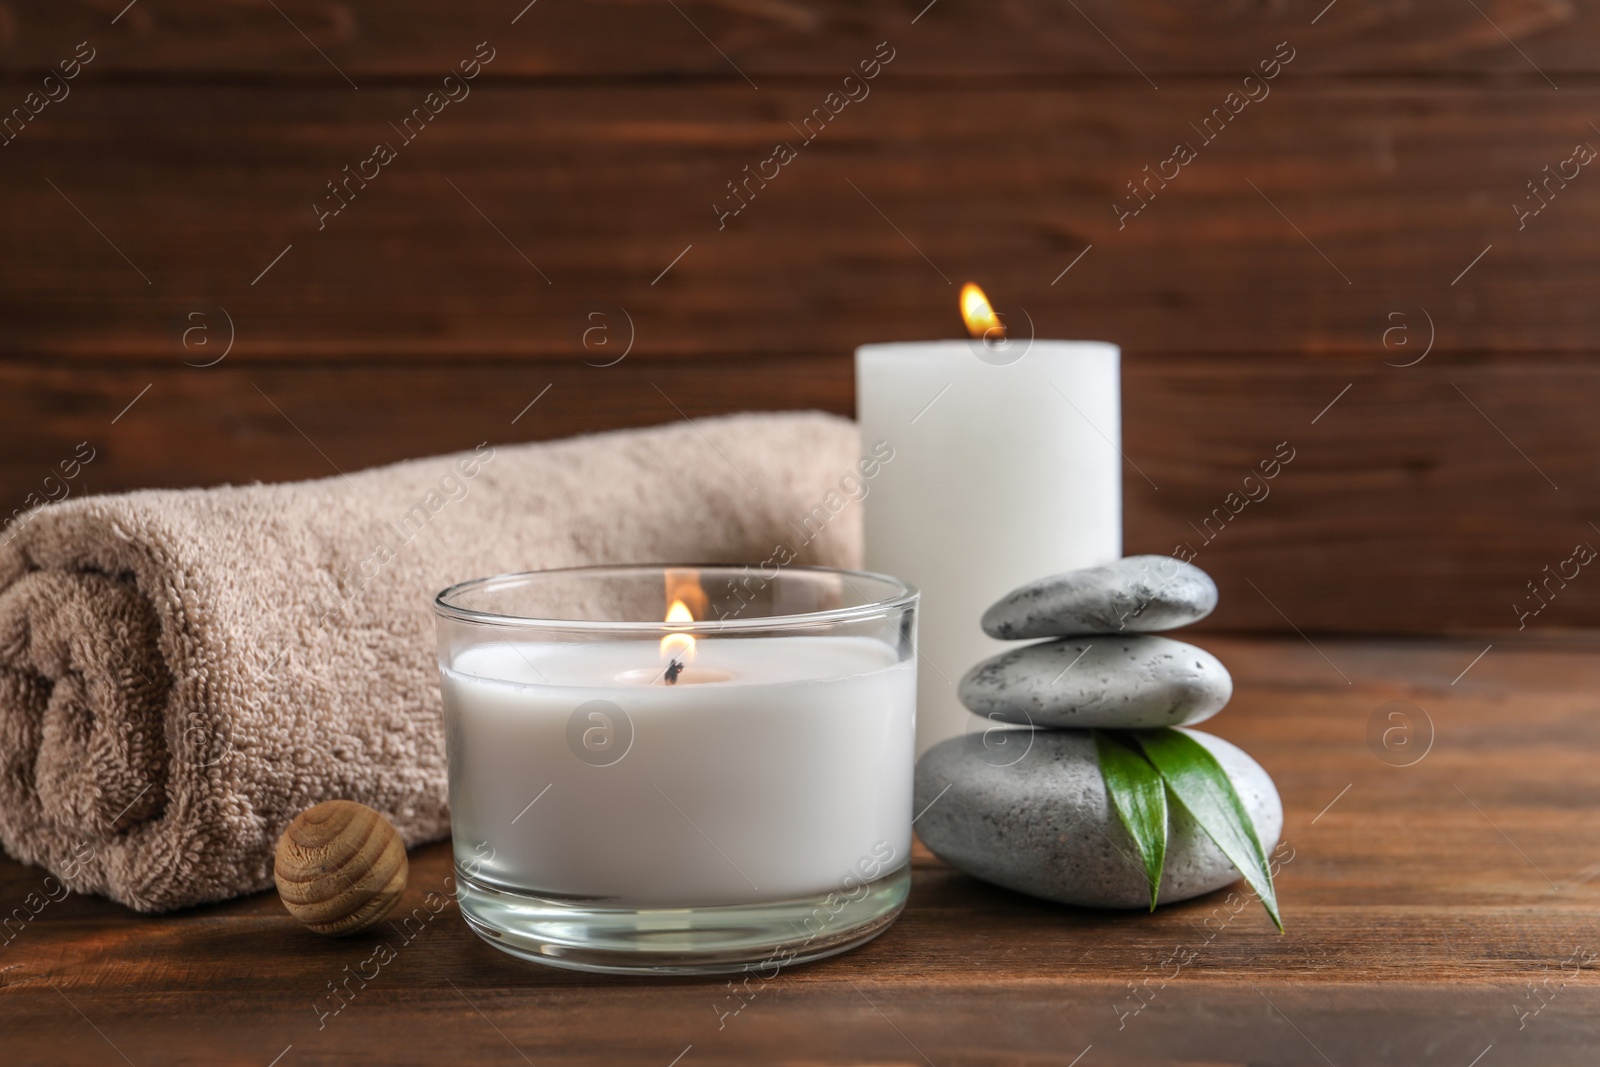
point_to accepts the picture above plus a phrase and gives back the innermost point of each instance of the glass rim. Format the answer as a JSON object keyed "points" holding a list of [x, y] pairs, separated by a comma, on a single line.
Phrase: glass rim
{"points": [[901, 594]]}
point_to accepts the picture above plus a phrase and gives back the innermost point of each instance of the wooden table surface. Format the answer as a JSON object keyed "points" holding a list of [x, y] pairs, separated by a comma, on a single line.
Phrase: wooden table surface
{"points": [[1442, 912]]}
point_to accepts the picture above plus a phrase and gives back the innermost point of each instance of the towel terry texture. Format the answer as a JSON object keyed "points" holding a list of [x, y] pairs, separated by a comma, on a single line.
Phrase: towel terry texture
{"points": [[181, 672]]}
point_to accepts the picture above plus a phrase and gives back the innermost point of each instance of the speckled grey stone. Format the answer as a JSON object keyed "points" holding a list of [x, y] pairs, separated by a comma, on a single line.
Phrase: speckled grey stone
{"points": [[1138, 594], [1029, 812], [1128, 682]]}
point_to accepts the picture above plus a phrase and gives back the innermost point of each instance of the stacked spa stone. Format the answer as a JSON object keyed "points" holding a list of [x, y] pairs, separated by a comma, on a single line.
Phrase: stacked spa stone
{"points": [[1024, 806]]}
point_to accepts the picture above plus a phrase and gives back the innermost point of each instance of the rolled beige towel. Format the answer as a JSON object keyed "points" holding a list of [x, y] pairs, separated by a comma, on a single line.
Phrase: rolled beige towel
{"points": [[182, 671]]}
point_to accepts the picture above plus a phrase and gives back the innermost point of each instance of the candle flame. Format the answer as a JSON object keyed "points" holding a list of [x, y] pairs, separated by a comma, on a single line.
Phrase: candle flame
{"points": [[981, 320], [683, 583], [678, 646], [686, 595]]}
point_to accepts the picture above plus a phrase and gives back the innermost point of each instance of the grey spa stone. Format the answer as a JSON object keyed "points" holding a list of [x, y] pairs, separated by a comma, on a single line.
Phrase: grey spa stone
{"points": [[1029, 812], [1137, 594], [1129, 683]]}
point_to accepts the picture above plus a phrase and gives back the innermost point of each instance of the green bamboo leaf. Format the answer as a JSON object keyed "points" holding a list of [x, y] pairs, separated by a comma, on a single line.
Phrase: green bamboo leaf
{"points": [[1137, 792], [1201, 786]]}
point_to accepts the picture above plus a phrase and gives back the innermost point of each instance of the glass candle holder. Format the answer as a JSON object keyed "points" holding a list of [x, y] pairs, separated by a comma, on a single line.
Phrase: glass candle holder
{"points": [[679, 769]]}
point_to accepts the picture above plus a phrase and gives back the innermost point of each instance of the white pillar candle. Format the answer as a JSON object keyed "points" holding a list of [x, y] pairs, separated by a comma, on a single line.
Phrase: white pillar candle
{"points": [[1001, 474], [774, 769]]}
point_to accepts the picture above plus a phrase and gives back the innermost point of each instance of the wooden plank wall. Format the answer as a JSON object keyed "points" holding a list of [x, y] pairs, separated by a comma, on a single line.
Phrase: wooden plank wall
{"points": [[1356, 214]]}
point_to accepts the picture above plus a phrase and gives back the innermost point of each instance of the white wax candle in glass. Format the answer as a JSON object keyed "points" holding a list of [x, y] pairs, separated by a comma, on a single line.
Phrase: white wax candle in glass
{"points": [[724, 787]]}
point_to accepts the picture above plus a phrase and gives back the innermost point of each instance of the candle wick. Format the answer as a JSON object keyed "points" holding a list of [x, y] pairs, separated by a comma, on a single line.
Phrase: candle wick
{"points": [[674, 669]]}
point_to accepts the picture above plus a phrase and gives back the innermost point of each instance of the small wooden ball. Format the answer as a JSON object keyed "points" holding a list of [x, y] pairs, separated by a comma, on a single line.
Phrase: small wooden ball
{"points": [[340, 867]]}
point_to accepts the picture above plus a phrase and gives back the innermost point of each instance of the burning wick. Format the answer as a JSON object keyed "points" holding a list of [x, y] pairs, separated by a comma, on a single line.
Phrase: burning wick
{"points": [[980, 317], [677, 648]]}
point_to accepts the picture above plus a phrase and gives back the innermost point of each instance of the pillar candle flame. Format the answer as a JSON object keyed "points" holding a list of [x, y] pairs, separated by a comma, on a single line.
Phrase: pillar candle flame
{"points": [[979, 315]]}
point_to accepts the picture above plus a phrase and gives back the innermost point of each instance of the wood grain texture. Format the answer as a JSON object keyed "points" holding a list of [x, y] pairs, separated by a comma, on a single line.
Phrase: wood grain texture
{"points": [[340, 867], [1424, 498], [1419, 499], [1362, 214], [1096, 38], [1313, 216], [1426, 906]]}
